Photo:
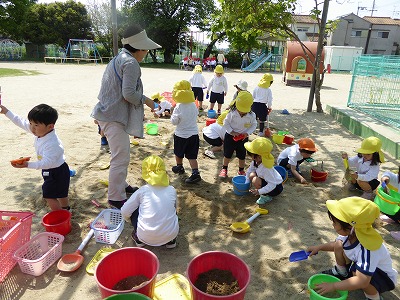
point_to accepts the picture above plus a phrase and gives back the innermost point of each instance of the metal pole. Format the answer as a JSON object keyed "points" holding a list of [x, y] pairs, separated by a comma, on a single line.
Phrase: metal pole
{"points": [[114, 26]]}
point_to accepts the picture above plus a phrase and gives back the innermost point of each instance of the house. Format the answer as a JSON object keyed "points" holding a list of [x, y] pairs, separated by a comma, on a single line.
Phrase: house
{"points": [[305, 27], [376, 35]]}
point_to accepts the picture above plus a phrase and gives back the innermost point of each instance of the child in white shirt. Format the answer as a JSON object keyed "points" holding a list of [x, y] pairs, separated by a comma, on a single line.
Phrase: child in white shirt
{"points": [[163, 107], [198, 82], [218, 87], [262, 105]]}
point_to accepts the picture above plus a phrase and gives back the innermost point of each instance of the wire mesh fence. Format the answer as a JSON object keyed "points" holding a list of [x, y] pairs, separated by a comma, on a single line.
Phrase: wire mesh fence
{"points": [[375, 88]]}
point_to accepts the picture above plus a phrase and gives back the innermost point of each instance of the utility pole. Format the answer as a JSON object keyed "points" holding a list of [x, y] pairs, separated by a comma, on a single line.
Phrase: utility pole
{"points": [[373, 8], [114, 26]]}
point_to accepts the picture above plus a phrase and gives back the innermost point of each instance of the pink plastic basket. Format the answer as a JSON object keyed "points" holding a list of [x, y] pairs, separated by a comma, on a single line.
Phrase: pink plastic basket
{"points": [[15, 230], [43, 250]]}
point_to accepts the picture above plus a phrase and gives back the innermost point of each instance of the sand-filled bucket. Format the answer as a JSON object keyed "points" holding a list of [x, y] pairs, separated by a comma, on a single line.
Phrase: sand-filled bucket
{"points": [[210, 121], [218, 260], [321, 278], [388, 204], [129, 296], [318, 176], [278, 139], [288, 139], [58, 221], [240, 187], [211, 113], [152, 128]]}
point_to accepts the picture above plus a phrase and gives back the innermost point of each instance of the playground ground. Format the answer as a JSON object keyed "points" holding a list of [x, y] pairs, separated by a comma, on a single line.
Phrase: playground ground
{"points": [[297, 218]]}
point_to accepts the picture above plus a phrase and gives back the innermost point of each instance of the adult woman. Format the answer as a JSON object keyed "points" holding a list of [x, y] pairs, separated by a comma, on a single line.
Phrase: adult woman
{"points": [[120, 109]]}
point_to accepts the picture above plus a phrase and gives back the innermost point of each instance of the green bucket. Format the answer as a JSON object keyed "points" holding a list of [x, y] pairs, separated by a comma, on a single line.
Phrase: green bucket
{"points": [[128, 296], [388, 204], [321, 278], [283, 132], [152, 128]]}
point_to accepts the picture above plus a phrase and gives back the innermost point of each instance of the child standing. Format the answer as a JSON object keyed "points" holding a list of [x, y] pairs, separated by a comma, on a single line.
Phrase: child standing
{"points": [[266, 181], [293, 156], [198, 82], [359, 250], [186, 136], [367, 164], [262, 105], [49, 151], [218, 87], [239, 123], [152, 208], [163, 107]]}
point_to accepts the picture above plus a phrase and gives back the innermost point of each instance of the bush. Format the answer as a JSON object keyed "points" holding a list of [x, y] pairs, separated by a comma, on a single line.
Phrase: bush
{"points": [[234, 59]]}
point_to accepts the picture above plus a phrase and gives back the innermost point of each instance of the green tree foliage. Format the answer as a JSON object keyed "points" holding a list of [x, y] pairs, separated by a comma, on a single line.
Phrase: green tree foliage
{"points": [[12, 14], [166, 20], [57, 22]]}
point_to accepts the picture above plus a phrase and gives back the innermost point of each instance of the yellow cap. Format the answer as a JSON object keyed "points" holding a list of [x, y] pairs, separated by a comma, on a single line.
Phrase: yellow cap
{"points": [[360, 214], [182, 92], [198, 69], [157, 96], [221, 117], [153, 171], [371, 145], [265, 81], [244, 101], [262, 147], [219, 69]]}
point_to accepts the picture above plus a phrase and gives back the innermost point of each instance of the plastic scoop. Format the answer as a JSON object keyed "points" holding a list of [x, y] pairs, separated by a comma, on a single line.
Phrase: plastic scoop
{"points": [[385, 188], [239, 137], [347, 174], [299, 255], [19, 161], [243, 227], [72, 261]]}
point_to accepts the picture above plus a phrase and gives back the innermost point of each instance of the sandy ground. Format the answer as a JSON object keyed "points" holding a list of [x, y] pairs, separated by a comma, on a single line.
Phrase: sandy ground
{"points": [[297, 218]]}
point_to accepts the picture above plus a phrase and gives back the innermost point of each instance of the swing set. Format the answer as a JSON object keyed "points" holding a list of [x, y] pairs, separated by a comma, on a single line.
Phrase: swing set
{"points": [[79, 50]]}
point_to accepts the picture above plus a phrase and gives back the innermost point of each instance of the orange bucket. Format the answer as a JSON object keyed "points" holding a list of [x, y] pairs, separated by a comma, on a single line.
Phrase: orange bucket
{"points": [[210, 121], [318, 176]]}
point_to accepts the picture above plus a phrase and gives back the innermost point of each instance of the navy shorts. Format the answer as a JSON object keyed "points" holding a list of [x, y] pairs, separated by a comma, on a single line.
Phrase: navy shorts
{"points": [[284, 162], [276, 191], [56, 182], [261, 110], [198, 93], [374, 183], [216, 97], [213, 142], [379, 280], [231, 146], [187, 147]]}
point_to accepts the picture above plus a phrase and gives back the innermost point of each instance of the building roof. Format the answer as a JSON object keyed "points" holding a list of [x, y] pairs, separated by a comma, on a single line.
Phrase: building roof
{"points": [[304, 19], [382, 20]]}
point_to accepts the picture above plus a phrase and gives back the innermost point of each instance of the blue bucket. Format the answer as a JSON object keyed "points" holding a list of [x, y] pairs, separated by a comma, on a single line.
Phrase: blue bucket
{"points": [[282, 171], [211, 113], [240, 188]]}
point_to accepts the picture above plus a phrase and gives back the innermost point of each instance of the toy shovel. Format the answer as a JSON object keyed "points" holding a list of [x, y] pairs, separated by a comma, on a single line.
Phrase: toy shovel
{"points": [[385, 188], [299, 255], [347, 174]]}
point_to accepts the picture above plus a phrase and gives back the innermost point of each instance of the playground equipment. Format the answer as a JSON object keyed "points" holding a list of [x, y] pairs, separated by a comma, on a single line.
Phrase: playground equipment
{"points": [[10, 50], [77, 50], [193, 40]]}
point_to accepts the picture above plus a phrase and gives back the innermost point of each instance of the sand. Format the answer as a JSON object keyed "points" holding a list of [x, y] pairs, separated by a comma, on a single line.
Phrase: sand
{"points": [[297, 218]]}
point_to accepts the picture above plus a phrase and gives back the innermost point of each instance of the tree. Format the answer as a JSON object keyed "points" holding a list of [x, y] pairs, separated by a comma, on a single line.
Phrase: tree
{"points": [[12, 14], [166, 21], [255, 18], [56, 23]]}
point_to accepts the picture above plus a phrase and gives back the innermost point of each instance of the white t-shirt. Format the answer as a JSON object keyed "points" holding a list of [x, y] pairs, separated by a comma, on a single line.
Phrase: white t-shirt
{"points": [[270, 175], [163, 106], [184, 117], [246, 124], [365, 171], [393, 180], [198, 80], [157, 221], [214, 131], [263, 95], [293, 153], [218, 85]]}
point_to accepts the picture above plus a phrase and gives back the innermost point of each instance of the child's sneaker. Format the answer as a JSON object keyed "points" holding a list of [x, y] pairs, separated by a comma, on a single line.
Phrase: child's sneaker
{"points": [[264, 199], [218, 112], [209, 153], [334, 272], [136, 240], [241, 172], [171, 244], [261, 134], [223, 173], [193, 178], [178, 169], [104, 141]]}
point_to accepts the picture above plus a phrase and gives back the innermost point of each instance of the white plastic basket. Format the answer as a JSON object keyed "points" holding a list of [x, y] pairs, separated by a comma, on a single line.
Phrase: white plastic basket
{"points": [[37, 255], [108, 226]]}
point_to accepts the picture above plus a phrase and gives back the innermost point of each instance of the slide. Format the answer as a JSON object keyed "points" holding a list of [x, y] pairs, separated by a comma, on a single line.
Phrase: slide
{"points": [[258, 62]]}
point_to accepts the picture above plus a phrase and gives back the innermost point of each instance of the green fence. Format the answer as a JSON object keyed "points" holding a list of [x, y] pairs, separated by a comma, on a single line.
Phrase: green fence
{"points": [[375, 87]]}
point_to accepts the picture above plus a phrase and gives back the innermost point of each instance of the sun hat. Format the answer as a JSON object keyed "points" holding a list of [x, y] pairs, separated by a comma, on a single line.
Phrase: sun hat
{"points": [[241, 85], [262, 147], [307, 144], [198, 69], [221, 117], [219, 69], [265, 81], [182, 92], [360, 214], [140, 41], [244, 101], [157, 96], [371, 145], [153, 171]]}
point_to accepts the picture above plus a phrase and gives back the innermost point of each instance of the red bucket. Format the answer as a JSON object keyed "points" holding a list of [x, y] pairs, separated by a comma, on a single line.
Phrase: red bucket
{"points": [[58, 221], [125, 262], [318, 176], [288, 139], [210, 121], [218, 260]]}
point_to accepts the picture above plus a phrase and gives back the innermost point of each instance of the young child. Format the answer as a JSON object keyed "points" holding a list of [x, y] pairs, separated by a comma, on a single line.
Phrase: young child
{"points": [[240, 86], [152, 208], [359, 250], [218, 87], [198, 82], [103, 140], [293, 156], [214, 135], [49, 151], [265, 180], [367, 165], [392, 181], [239, 123], [163, 108], [186, 136], [262, 105]]}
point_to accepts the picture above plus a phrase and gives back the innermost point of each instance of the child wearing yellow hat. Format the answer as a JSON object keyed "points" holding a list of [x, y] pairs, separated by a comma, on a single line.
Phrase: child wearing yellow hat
{"points": [[152, 208], [218, 87], [293, 156], [265, 180], [367, 165], [163, 107], [198, 83], [262, 105], [239, 123], [362, 260], [186, 135]]}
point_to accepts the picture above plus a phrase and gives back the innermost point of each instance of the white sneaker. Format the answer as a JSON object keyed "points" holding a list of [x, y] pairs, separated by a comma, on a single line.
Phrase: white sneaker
{"points": [[209, 153]]}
